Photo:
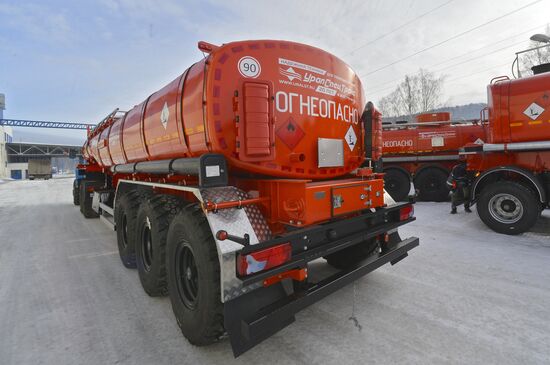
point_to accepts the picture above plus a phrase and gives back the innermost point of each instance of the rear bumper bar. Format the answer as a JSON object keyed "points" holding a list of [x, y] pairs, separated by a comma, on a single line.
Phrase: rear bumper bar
{"points": [[251, 318]]}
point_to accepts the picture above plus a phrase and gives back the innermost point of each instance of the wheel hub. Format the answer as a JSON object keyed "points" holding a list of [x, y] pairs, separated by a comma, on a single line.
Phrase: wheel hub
{"points": [[187, 276], [124, 231], [505, 208], [147, 246]]}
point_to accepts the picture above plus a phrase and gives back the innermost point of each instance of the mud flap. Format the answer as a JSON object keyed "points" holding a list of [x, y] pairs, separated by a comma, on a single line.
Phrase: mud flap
{"points": [[255, 316], [241, 312]]}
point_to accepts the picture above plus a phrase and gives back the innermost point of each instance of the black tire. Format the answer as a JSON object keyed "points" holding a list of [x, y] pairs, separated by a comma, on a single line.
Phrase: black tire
{"points": [[431, 184], [353, 255], [195, 296], [85, 198], [126, 210], [153, 219], [76, 193], [397, 183], [508, 207], [81, 195]]}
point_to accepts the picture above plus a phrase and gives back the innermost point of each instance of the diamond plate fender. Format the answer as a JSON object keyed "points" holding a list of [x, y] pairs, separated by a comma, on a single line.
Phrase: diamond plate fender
{"points": [[248, 220]]}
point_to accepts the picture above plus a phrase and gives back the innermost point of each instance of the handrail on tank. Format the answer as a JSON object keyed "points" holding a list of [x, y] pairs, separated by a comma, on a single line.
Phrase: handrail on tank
{"points": [[516, 60], [105, 122], [482, 115], [497, 79]]}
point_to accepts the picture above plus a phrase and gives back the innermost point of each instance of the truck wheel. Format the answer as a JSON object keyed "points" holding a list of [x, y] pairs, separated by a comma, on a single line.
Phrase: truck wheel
{"points": [[85, 198], [153, 219], [76, 193], [397, 183], [351, 256], [431, 185], [508, 207], [194, 277], [126, 210]]}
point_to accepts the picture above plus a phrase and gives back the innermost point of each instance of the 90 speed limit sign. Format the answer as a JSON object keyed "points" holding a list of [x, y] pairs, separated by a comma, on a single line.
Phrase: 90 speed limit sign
{"points": [[249, 67]]}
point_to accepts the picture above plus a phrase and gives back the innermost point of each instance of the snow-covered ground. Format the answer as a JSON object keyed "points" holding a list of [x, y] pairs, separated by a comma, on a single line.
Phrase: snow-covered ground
{"points": [[465, 295]]}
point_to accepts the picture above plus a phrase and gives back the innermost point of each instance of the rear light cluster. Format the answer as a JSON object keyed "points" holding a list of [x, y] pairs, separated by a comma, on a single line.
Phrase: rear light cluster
{"points": [[406, 212], [264, 259]]}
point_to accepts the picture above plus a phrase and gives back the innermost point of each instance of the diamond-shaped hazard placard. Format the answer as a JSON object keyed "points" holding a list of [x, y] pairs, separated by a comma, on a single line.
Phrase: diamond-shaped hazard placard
{"points": [[290, 133], [351, 138], [533, 111], [164, 115]]}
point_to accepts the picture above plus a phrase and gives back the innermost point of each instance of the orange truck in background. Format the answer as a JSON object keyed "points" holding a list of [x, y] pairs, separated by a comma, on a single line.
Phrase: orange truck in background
{"points": [[512, 167], [424, 153]]}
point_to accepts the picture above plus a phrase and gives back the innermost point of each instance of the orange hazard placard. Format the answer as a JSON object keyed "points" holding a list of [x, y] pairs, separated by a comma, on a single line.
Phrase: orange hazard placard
{"points": [[290, 133]]}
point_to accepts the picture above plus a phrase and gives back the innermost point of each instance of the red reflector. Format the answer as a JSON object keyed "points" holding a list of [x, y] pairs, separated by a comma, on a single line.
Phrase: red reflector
{"points": [[263, 260], [406, 212], [296, 274], [222, 235]]}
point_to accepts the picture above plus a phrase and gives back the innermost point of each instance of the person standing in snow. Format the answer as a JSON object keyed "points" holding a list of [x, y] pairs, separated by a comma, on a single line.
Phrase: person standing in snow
{"points": [[459, 183]]}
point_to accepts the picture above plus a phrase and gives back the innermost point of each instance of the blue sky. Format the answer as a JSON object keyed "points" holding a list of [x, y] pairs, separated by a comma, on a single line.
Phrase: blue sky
{"points": [[78, 60]]}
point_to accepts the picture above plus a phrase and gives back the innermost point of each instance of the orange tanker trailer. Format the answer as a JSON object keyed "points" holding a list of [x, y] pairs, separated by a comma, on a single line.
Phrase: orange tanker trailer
{"points": [[424, 153], [223, 186]]}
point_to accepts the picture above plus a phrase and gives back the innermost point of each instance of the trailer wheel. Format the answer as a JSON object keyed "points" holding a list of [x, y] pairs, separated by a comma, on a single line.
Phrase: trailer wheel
{"points": [[397, 183], [431, 185], [153, 219], [76, 193], [126, 210], [85, 198], [351, 256], [508, 207], [194, 277], [81, 194]]}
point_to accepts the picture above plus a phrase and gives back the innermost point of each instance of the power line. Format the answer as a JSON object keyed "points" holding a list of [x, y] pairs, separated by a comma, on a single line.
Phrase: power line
{"points": [[378, 88], [480, 56], [477, 72], [492, 44], [334, 20], [399, 27], [452, 38], [456, 64]]}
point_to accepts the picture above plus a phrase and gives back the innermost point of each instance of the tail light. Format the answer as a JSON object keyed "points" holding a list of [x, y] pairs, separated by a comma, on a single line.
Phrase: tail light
{"points": [[263, 260], [406, 212]]}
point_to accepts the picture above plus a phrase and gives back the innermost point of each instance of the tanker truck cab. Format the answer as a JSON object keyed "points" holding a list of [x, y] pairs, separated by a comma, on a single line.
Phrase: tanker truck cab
{"points": [[227, 183], [512, 170]]}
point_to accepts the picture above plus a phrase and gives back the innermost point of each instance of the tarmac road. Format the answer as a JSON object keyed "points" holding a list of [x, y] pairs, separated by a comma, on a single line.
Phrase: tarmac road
{"points": [[465, 295]]}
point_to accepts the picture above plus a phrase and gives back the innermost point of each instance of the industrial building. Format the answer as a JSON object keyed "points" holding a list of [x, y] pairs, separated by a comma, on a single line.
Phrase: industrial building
{"points": [[14, 156], [19, 153]]}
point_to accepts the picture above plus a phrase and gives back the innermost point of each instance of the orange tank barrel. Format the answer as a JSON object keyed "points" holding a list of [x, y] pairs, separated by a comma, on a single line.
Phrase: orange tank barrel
{"points": [[519, 110], [433, 117], [445, 138], [274, 108]]}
